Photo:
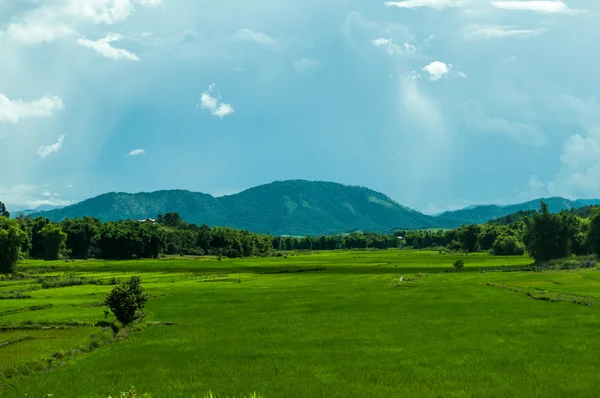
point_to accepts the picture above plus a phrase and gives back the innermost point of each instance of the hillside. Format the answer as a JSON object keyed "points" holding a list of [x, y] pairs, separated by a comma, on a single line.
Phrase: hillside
{"points": [[294, 207], [484, 213]]}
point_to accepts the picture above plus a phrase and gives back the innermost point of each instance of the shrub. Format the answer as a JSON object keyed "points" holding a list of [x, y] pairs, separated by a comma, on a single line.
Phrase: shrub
{"points": [[459, 264], [233, 253], [127, 300]]}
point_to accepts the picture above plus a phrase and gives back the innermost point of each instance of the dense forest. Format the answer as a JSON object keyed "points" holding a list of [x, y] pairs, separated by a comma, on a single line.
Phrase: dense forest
{"points": [[543, 235]]}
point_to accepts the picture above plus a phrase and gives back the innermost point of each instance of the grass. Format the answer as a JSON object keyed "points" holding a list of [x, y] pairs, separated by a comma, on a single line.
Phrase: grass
{"points": [[335, 324]]}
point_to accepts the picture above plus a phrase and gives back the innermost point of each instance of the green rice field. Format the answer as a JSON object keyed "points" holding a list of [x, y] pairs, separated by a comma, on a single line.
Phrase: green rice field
{"points": [[327, 324]]}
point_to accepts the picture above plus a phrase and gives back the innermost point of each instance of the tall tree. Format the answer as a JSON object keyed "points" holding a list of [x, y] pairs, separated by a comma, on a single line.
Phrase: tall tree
{"points": [[469, 238], [12, 238], [3, 211], [594, 234], [54, 241], [547, 235], [82, 235]]}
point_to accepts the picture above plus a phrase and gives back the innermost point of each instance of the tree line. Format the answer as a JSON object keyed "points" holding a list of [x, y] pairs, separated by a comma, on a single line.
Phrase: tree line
{"points": [[87, 237], [543, 235]]}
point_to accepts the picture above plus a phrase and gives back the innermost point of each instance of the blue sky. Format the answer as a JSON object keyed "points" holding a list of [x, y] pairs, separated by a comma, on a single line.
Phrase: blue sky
{"points": [[437, 103]]}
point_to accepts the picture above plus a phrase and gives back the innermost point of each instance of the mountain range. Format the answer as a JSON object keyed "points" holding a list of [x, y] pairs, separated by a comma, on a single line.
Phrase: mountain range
{"points": [[484, 213], [294, 207]]}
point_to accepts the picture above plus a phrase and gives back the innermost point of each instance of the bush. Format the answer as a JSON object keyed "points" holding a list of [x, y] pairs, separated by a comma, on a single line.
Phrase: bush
{"points": [[233, 253], [127, 300], [459, 264]]}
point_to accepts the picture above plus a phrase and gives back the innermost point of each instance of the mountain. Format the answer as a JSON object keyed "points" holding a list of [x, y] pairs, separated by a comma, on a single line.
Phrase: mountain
{"points": [[25, 211], [484, 213], [295, 207]]}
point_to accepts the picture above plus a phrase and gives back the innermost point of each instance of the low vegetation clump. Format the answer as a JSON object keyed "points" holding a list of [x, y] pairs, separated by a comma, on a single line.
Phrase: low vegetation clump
{"points": [[459, 265], [127, 300]]}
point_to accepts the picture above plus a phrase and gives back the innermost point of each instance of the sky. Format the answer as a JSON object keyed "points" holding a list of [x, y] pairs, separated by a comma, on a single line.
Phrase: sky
{"points": [[439, 104]]}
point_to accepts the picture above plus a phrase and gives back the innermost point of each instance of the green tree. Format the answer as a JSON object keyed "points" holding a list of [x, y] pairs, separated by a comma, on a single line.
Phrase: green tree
{"points": [[82, 236], [3, 211], [469, 238], [54, 241], [35, 227], [459, 264], [594, 234], [507, 245], [172, 220], [12, 238], [127, 300], [547, 235]]}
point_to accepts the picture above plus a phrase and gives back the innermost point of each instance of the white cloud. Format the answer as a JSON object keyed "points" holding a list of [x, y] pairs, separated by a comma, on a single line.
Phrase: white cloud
{"points": [[223, 110], [580, 153], [150, 3], [256, 37], [306, 64], [499, 31], [413, 75], [30, 196], [137, 152], [543, 6], [56, 20], [438, 4], [392, 48], [32, 32], [436, 70], [388, 45], [103, 47], [105, 11], [579, 176], [47, 150], [12, 111], [214, 104], [409, 48]]}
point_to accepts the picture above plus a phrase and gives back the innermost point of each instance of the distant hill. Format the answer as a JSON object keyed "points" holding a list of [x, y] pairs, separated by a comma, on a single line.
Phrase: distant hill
{"points": [[16, 210], [485, 213], [295, 207]]}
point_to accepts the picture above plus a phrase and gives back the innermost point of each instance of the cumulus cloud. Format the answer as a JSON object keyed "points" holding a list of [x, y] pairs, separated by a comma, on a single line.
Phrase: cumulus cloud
{"points": [[56, 20], [579, 176], [306, 64], [499, 31], [137, 152], [543, 6], [211, 101], [12, 111], [256, 37], [104, 48], [437, 70], [438, 4], [47, 150]]}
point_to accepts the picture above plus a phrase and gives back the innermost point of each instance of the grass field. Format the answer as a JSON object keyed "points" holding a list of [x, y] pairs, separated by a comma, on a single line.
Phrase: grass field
{"points": [[335, 324]]}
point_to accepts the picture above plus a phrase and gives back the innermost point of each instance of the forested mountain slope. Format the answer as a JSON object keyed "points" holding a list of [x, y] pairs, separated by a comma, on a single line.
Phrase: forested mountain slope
{"points": [[295, 207]]}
